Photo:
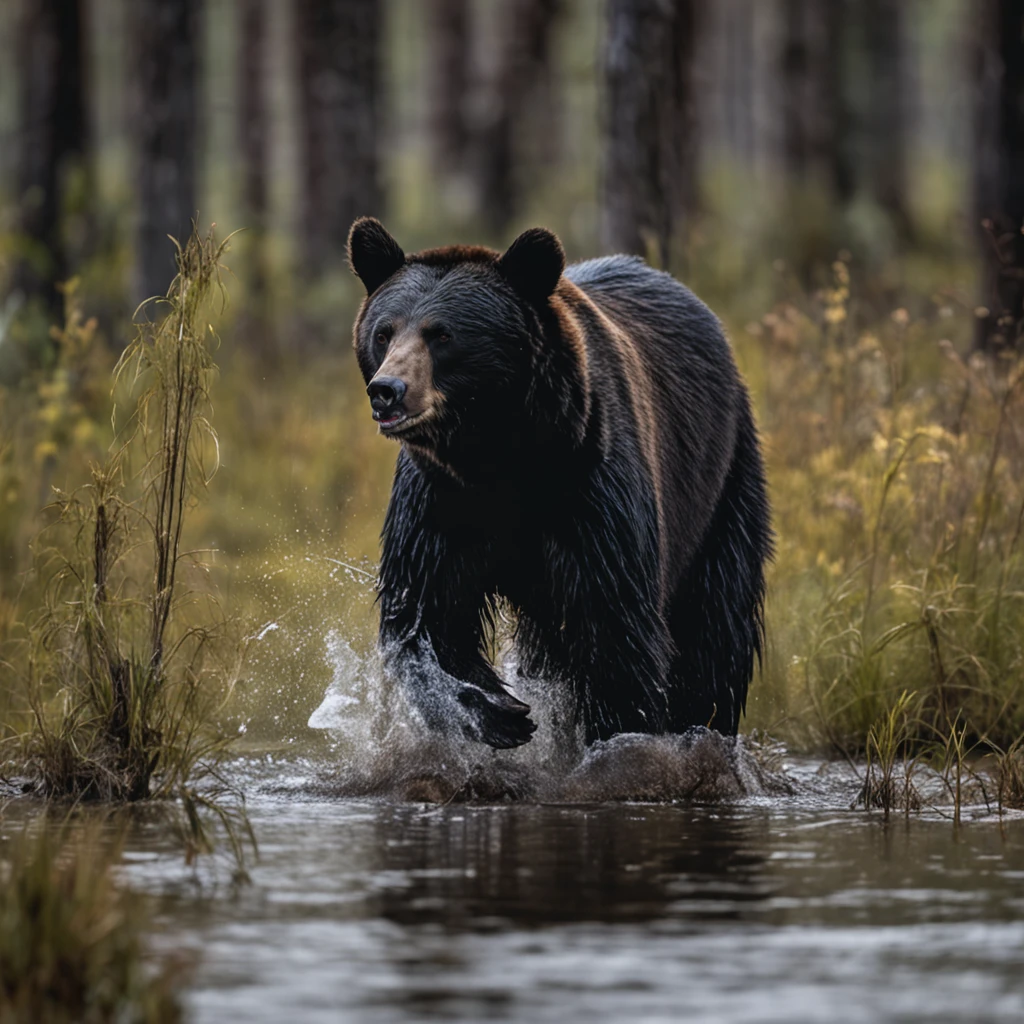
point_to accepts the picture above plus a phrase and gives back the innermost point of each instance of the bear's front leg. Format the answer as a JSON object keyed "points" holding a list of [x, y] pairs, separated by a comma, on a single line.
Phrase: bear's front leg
{"points": [[450, 689], [433, 586], [494, 716]]}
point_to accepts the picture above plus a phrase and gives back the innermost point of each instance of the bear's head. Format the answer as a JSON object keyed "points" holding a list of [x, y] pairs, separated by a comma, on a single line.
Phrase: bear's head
{"points": [[454, 341]]}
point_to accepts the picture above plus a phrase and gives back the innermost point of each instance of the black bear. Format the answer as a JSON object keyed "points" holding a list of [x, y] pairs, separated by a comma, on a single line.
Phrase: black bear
{"points": [[578, 442]]}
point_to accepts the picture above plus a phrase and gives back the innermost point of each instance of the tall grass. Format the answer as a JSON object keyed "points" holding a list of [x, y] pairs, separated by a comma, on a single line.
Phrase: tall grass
{"points": [[890, 768], [130, 659], [71, 941], [1009, 775], [896, 460]]}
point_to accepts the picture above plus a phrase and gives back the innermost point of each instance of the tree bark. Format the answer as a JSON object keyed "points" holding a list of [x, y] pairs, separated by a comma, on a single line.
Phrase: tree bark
{"points": [[884, 139], [254, 141], [166, 35], [649, 175], [53, 131], [339, 59], [450, 49], [253, 113], [998, 55], [815, 114], [519, 134]]}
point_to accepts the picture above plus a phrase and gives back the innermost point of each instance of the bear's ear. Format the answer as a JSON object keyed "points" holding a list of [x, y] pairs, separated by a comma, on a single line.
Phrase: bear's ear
{"points": [[373, 254], [533, 263]]}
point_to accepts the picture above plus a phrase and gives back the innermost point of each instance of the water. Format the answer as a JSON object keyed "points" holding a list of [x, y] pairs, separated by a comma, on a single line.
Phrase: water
{"points": [[403, 877], [760, 908]]}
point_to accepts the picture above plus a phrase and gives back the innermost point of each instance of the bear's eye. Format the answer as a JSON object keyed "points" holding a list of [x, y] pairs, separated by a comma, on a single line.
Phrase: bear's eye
{"points": [[444, 337], [381, 337]]}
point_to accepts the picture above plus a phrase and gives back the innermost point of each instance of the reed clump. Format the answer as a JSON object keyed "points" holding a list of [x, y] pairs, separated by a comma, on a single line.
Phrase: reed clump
{"points": [[71, 941], [889, 766], [1009, 776], [130, 659]]}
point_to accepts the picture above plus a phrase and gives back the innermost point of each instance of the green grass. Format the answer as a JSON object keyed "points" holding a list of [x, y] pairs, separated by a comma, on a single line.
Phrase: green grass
{"points": [[72, 948], [889, 770]]}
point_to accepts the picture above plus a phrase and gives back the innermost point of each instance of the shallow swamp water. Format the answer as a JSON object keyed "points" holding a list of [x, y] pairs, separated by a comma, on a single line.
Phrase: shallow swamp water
{"points": [[780, 903]]}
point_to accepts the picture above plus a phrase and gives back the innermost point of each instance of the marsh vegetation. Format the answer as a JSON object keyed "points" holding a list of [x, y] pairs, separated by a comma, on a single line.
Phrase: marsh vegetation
{"points": [[72, 942]]}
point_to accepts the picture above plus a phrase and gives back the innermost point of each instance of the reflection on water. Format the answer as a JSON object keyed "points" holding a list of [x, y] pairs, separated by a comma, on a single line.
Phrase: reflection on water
{"points": [[533, 867], [770, 908]]}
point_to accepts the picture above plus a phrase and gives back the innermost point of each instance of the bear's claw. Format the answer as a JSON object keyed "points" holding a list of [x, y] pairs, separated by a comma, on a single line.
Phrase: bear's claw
{"points": [[499, 720]]}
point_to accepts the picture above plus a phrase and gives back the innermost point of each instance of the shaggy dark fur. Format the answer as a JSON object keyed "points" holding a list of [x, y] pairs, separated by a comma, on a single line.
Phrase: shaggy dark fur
{"points": [[593, 460]]}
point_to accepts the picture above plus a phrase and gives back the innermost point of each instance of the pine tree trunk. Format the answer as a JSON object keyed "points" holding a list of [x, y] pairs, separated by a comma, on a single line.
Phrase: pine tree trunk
{"points": [[166, 36], [339, 58], [52, 137], [449, 53], [649, 179], [885, 137], [253, 129], [999, 170], [815, 117], [253, 119], [519, 135]]}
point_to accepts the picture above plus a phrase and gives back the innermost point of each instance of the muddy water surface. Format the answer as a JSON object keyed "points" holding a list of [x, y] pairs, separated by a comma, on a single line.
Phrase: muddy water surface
{"points": [[780, 906]]}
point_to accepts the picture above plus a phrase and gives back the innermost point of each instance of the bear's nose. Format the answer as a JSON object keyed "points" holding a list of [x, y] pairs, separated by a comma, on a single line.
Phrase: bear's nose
{"points": [[385, 392]]}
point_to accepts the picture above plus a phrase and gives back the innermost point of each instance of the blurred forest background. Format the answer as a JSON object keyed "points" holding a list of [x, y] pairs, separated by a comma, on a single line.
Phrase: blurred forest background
{"points": [[841, 180]]}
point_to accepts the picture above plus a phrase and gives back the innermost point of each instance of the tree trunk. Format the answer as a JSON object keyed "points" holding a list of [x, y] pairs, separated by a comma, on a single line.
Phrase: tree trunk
{"points": [[999, 170], [253, 129], [815, 115], [339, 51], [166, 36], [253, 120], [884, 139], [520, 132], [450, 48], [649, 180], [53, 129]]}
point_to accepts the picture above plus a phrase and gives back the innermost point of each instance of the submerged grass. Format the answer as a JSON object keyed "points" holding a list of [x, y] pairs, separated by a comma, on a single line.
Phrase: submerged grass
{"points": [[130, 663], [71, 940]]}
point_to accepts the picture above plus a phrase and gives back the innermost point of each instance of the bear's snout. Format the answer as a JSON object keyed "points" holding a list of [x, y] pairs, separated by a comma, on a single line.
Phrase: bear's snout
{"points": [[386, 400], [385, 393], [402, 392]]}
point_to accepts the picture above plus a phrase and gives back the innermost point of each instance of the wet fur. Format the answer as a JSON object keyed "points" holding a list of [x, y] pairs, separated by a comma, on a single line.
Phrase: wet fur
{"points": [[597, 466]]}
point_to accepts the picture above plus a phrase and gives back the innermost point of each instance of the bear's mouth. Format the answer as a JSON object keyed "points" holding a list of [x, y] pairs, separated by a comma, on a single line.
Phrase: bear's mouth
{"points": [[390, 418], [399, 421]]}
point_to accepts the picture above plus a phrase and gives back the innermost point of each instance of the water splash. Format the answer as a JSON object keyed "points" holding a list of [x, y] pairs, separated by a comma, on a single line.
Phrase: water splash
{"points": [[386, 749], [346, 692]]}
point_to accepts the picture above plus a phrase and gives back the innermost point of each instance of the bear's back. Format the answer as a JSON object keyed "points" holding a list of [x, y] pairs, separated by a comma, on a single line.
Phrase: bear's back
{"points": [[683, 378], [653, 306]]}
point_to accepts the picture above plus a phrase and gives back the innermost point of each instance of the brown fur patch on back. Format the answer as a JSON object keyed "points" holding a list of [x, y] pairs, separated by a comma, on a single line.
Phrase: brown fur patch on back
{"points": [[641, 393], [572, 330], [572, 335]]}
